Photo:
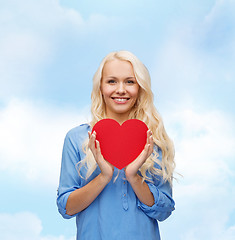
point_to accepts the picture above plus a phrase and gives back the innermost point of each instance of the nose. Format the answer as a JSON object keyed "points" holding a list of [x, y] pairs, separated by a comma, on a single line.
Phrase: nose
{"points": [[121, 88]]}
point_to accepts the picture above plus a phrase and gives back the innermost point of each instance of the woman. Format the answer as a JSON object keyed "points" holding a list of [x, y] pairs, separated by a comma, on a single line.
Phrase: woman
{"points": [[109, 203]]}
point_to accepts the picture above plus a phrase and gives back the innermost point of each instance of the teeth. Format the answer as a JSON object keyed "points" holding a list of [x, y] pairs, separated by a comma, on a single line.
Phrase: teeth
{"points": [[120, 99]]}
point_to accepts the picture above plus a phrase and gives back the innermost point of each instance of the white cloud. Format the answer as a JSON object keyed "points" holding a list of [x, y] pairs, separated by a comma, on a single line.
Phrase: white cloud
{"points": [[19, 226], [190, 67], [210, 133], [178, 67], [31, 144], [229, 234], [198, 54], [217, 31], [221, 8], [32, 138], [205, 152], [23, 226], [31, 37], [21, 56], [28, 41]]}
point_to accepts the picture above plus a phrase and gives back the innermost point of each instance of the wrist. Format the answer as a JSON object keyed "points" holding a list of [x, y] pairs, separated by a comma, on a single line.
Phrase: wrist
{"points": [[133, 179], [105, 179]]}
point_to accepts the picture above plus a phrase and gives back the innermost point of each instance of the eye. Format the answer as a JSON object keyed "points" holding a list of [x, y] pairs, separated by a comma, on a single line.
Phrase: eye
{"points": [[130, 82], [111, 81]]}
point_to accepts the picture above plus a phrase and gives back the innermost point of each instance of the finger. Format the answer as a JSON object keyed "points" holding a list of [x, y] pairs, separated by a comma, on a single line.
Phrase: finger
{"points": [[92, 142], [89, 142], [90, 136], [98, 146], [94, 135], [144, 153], [147, 142], [99, 151], [151, 146], [147, 148], [149, 134]]}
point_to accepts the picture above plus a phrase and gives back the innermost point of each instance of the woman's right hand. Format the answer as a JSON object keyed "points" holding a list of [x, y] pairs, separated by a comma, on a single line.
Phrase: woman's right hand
{"points": [[106, 168]]}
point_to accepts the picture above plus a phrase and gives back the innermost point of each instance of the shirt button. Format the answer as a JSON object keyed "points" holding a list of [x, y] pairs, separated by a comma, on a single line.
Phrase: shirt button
{"points": [[124, 195], [124, 182]]}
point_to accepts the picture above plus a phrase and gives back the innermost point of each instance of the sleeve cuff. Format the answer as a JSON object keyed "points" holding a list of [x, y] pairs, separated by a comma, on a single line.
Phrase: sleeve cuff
{"points": [[61, 203], [158, 205], [155, 193]]}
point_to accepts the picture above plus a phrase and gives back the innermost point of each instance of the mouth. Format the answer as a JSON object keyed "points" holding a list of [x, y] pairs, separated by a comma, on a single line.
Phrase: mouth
{"points": [[120, 99]]}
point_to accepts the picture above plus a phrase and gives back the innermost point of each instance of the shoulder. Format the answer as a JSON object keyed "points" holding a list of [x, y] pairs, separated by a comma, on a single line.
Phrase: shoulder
{"points": [[79, 130], [79, 133]]}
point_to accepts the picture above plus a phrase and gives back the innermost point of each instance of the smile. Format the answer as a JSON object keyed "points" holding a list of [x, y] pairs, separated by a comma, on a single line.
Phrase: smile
{"points": [[120, 100]]}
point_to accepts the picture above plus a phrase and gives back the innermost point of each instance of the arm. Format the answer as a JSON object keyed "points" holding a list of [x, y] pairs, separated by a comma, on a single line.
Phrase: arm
{"points": [[78, 198], [163, 202], [141, 188], [81, 198], [69, 179], [155, 199]]}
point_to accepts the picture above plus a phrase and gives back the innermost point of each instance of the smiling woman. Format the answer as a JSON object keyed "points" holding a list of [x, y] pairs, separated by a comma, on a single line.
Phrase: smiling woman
{"points": [[108, 203], [119, 89]]}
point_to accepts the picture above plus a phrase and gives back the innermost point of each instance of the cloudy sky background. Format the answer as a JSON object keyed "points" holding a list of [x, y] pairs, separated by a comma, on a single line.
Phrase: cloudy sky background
{"points": [[49, 51]]}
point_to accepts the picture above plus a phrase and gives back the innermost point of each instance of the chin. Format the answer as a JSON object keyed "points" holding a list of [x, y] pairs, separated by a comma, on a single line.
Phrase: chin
{"points": [[122, 110]]}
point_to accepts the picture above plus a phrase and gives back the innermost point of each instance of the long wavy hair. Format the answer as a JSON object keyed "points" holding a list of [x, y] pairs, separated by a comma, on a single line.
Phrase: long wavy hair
{"points": [[143, 110]]}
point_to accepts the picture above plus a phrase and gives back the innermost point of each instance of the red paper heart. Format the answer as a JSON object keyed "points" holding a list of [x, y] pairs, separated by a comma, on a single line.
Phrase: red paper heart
{"points": [[120, 145]]}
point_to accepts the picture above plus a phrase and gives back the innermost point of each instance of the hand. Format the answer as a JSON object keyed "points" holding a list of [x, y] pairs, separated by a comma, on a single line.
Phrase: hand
{"points": [[106, 168], [132, 169]]}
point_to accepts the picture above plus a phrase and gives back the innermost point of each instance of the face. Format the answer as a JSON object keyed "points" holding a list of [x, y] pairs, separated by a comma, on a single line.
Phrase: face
{"points": [[119, 89]]}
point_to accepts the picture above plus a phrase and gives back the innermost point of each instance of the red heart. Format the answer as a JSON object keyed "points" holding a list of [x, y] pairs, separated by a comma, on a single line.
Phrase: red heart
{"points": [[120, 145]]}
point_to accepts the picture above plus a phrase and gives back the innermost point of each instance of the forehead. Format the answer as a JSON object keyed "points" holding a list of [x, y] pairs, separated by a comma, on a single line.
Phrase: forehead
{"points": [[118, 67]]}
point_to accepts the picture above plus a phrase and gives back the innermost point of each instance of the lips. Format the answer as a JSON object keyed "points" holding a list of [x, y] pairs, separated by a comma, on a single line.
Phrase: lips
{"points": [[120, 99]]}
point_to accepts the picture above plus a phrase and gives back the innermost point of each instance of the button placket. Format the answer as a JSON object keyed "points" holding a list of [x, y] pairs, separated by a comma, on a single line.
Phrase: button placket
{"points": [[124, 192]]}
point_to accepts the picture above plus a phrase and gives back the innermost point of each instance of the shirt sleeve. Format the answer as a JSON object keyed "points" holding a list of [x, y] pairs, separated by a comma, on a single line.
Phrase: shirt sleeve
{"points": [[163, 201], [69, 178]]}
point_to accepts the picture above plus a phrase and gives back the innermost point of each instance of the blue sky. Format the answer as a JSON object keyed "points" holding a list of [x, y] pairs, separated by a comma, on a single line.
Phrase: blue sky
{"points": [[49, 51]]}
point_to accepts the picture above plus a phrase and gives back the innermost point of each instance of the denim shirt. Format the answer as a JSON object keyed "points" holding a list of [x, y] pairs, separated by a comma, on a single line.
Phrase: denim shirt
{"points": [[116, 213]]}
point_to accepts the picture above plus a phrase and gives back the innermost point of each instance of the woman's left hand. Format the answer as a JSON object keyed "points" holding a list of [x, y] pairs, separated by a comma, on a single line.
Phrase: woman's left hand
{"points": [[132, 169]]}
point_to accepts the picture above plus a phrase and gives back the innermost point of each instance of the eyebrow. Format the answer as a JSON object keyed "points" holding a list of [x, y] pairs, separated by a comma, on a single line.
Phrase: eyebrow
{"points": [[113, 77]]}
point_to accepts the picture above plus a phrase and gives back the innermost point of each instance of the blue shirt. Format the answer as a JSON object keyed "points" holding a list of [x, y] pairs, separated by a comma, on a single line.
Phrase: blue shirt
{"points": [[116, 213]]}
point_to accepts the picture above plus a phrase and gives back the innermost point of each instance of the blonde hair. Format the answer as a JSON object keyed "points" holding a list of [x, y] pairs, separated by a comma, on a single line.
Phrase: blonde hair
{"points": [[143, 110]]}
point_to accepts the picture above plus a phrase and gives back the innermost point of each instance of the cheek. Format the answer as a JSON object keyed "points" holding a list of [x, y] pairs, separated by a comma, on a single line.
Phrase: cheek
{"points": [[107, 90], [134, 91]]}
